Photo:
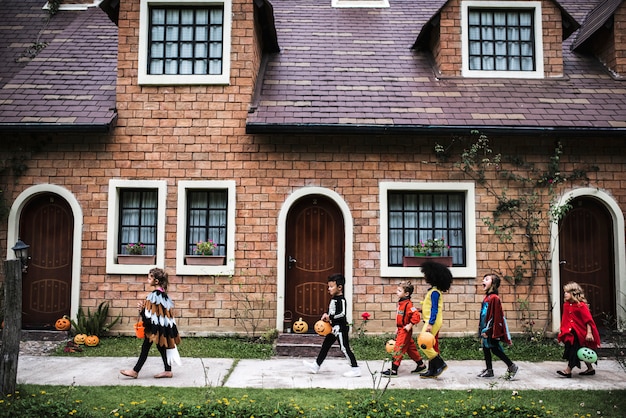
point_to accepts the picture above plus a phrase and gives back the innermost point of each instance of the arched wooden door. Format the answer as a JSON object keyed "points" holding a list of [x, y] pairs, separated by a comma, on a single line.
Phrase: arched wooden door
{"points": [[47, 225], [587, 255], [315, 250]]}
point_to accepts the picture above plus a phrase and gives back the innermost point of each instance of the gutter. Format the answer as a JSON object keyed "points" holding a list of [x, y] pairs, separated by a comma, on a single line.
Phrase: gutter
{"points": [[58, 127], [261, 128]]}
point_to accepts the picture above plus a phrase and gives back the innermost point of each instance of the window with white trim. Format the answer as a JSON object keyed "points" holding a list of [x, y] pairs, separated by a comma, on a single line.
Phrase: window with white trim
{"points": [[186, 43], [206, 211], [136, 214], [502, 39], [417, 211]]}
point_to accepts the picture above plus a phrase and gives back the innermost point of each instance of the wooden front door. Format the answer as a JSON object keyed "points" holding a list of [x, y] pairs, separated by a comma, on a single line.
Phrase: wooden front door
{"points": [[47, 226], [315, 250], [587, 255]]}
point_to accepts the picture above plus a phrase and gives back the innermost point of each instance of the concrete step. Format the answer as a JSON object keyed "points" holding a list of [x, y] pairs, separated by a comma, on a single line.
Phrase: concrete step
{"points": [[303, 345]]}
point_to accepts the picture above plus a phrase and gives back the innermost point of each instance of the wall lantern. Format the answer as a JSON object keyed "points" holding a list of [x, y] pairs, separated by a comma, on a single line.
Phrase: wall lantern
{"points": [[21, 253]]}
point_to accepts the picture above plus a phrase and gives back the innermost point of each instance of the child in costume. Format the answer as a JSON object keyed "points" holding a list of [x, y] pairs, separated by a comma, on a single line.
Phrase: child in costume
{"points": [[407, 316], [160, 326], [493, 328], [439, 278], [578, 329], [336, 315]]}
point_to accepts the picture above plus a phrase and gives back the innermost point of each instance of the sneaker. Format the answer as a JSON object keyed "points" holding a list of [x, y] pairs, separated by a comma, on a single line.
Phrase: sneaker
{"points": [[390, 373], [354, 372], [486, 373], [511, 372], [312, 365], [420, 368]]}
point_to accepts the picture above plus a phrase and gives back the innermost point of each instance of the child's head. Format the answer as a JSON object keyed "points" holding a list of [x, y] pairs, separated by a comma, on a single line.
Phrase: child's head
{"points": [[160, 277], [575, 291], [336, 283], [437, 275], [491, 283], [405, 289]]}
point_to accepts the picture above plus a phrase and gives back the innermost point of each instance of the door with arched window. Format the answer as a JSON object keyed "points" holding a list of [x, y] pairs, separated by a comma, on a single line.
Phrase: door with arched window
{"points": [[47, 225]]}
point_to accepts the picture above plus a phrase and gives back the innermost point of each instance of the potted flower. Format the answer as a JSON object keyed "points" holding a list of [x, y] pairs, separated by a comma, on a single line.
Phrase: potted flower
{"points": [[203, 254], [134, 254], [419, 250], [436, 246]]}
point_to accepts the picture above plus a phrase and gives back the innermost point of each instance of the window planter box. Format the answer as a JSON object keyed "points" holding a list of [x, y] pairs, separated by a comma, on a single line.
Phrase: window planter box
{"points": [[205, 260], [409, 261], [135, 259]]}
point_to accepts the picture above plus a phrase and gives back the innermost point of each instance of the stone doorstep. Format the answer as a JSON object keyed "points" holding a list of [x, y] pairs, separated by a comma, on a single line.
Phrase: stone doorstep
{"points": [[302, 345]]}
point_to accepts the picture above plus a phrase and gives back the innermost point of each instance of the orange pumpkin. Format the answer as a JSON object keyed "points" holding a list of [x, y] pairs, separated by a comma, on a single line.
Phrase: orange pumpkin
{"points": [[426, 340], [92, 340], [322, 327], [80, 339], [390, 346], [140, 332], [300, 327], [63, 324]]}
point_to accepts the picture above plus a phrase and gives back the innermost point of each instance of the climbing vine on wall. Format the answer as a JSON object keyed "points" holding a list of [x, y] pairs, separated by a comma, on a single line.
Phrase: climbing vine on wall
{"points": [[526, 196]]}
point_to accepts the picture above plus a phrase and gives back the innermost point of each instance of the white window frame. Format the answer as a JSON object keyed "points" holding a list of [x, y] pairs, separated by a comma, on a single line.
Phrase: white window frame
{"points": [[115, 186], [187, 79], [181, 229], [474, 4], [469, 270]]}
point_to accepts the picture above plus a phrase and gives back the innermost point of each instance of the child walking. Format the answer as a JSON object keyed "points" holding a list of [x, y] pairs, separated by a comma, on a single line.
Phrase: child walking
{"points": [[336, 315], [578, 329], [493, 329], [160, 326], [439, 278], [407, 316]]}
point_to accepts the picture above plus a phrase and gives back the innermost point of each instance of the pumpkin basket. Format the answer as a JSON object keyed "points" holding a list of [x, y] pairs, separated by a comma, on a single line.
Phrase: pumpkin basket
{"points": [[139, 330]]}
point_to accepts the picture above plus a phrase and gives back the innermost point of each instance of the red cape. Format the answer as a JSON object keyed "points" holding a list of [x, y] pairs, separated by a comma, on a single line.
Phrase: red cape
{"points": [[576, 316]]}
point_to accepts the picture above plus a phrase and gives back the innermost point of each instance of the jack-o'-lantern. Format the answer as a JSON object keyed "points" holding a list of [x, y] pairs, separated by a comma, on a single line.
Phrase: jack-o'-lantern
{"points": [[80, 339], [63, 324], [300, 327], [322, 328], [426, 340], [391, 344], [92, 340]]}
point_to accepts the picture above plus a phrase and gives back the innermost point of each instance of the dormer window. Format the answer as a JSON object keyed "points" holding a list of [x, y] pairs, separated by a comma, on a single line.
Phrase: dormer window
{"points": [[502, 39]]}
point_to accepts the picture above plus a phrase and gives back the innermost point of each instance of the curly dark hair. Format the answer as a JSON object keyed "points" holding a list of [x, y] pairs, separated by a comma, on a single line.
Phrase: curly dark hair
{"points": [[438, 275]]}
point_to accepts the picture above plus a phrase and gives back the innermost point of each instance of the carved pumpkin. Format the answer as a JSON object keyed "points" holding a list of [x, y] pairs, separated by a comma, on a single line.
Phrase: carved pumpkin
{"points": [[391, 344], [92, 341], [426, 340], [322, 328], [63, 324], [300, 327], [80, 339]]}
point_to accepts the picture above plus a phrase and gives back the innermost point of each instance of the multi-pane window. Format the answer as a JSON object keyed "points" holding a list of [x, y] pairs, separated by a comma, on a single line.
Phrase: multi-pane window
{"points": [[501, 40], [138, 219], [415, 216], [186, 40], [207, 219]]}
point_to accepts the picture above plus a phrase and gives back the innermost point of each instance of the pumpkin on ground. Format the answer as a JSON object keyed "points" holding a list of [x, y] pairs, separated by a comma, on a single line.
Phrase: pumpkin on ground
{"points": [[80, 339], [300, 327], [63, 324], [390, 345], [92, 340], [322, 327]]}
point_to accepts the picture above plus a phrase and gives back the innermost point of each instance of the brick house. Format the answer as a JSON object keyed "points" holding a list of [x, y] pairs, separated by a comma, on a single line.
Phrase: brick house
{"points": [[299, 137]]}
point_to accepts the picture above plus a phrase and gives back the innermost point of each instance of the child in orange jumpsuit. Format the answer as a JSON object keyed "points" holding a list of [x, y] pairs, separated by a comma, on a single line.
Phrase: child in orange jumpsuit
{"points": [[407, 315]]}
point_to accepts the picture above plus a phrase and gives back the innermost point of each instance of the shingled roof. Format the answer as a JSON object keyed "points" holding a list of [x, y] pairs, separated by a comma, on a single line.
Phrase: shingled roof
{"points": [[353, 70], [70, 84]]}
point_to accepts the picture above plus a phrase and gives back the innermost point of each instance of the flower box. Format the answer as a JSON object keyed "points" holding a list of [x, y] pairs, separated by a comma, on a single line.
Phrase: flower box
{"points": [[409, 261], [135, 259], [205, 260]]}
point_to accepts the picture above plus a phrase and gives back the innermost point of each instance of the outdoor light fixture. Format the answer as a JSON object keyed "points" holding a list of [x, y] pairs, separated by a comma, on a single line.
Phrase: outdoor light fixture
{"points": [[21, 253]]}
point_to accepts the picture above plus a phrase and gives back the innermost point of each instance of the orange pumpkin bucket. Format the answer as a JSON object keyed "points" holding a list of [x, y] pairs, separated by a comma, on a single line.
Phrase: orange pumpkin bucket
{"points": [[139, 330]]}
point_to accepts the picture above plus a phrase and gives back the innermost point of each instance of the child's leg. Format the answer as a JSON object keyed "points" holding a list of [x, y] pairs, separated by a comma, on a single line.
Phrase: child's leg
{"points": [[145, 349], [488, 360], [496, 348], [411, 349], [163, 352], [401, 346], [329, 340], [344, 343]]}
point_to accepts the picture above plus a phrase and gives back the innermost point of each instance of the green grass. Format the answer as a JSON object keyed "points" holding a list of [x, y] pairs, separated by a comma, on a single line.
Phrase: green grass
{"points": [[366, 348]]}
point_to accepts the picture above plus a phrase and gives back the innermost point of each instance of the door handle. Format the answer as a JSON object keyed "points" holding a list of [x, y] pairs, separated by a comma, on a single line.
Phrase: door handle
{"points": [[290, 262]]}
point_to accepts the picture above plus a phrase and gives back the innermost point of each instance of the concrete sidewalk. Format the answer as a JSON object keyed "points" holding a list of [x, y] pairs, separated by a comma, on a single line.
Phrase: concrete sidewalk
{"points": [[290, 373]]}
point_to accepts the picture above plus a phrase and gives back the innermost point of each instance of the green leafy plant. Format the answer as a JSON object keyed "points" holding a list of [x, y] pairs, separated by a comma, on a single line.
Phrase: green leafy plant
{"points": [[204, 248], [93, 323], [135, 248]]}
